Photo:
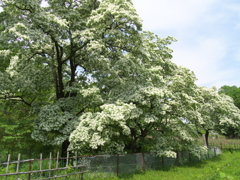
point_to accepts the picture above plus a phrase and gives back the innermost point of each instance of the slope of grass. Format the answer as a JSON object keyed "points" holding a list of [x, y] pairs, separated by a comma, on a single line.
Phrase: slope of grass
{"points": [[224, 166], [230, 171]]}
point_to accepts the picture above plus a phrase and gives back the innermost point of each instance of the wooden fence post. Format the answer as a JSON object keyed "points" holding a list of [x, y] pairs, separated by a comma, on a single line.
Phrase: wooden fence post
{"points": [[56, 163], [40, 166], [75, 163], [67, 159], [50, 164], [82, 162], [30, 169], [19, 156], [8, 160]]}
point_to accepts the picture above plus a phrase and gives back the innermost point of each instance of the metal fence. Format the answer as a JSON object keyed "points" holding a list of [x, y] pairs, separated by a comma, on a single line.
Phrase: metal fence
{"points": [[117, 164], [131, 163]]}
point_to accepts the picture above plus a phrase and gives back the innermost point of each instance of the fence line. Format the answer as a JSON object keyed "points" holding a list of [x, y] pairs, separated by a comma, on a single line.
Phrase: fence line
{"points": [[48, 172], [227, 145], [110, 164]]}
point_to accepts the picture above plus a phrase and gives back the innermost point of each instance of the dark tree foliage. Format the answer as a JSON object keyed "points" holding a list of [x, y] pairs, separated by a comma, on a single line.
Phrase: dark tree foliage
{"points": [[233, 92]]}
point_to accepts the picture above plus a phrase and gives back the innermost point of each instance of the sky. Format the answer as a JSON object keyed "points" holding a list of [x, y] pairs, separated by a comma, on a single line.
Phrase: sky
{"points": [[208, 34]]}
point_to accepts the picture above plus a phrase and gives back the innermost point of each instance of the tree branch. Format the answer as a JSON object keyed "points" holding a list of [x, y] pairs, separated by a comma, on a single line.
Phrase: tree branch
{"points": [[24, 9], [16, 98], [81, 111]]}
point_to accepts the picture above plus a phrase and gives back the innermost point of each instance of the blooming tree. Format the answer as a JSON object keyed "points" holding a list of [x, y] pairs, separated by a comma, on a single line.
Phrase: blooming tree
{"points": [[87, 72], [214, 112], [56, 54], [148, 97], [233, 92]]}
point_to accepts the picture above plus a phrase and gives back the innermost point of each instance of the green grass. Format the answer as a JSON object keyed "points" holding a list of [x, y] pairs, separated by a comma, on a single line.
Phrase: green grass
{"points": [[230, 171], [224, 166]]}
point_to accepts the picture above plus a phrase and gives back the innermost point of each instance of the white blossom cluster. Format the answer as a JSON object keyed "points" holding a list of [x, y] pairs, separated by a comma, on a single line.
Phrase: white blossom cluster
{"points": [[104, 129]]}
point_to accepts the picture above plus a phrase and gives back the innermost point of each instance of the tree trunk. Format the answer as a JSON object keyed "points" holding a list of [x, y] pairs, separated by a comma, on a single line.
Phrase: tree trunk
{"points": [[65, 145], [205, 138]]}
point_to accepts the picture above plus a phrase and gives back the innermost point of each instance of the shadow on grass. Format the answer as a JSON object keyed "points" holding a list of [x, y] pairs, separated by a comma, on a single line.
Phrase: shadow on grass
{"points": [[130, 176], [202, 163]]}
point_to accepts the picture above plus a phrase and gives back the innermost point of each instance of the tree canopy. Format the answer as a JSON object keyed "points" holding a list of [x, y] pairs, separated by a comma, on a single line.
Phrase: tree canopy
{"points": [[234, 93], [214, 112], [145, 108]]}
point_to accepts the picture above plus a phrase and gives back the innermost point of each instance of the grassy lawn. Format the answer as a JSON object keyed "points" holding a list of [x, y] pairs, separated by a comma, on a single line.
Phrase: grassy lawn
{"points": [[225, 166]]}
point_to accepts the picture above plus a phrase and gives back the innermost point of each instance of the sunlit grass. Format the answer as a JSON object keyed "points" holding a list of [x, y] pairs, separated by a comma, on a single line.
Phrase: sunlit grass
{"points": [[221, 167]]}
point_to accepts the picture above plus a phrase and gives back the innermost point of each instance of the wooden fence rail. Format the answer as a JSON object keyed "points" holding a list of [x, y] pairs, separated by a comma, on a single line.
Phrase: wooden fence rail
{"points": [[41, 169]]}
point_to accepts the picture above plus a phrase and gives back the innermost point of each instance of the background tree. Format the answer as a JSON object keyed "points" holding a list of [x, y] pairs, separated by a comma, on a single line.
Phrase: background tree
{"points": [[214, 113], [234, 93], [16, 129]]}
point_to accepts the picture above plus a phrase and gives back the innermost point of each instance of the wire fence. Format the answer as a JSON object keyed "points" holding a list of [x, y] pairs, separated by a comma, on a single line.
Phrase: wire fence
{"points": [[131, 163], [73, 166]]}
